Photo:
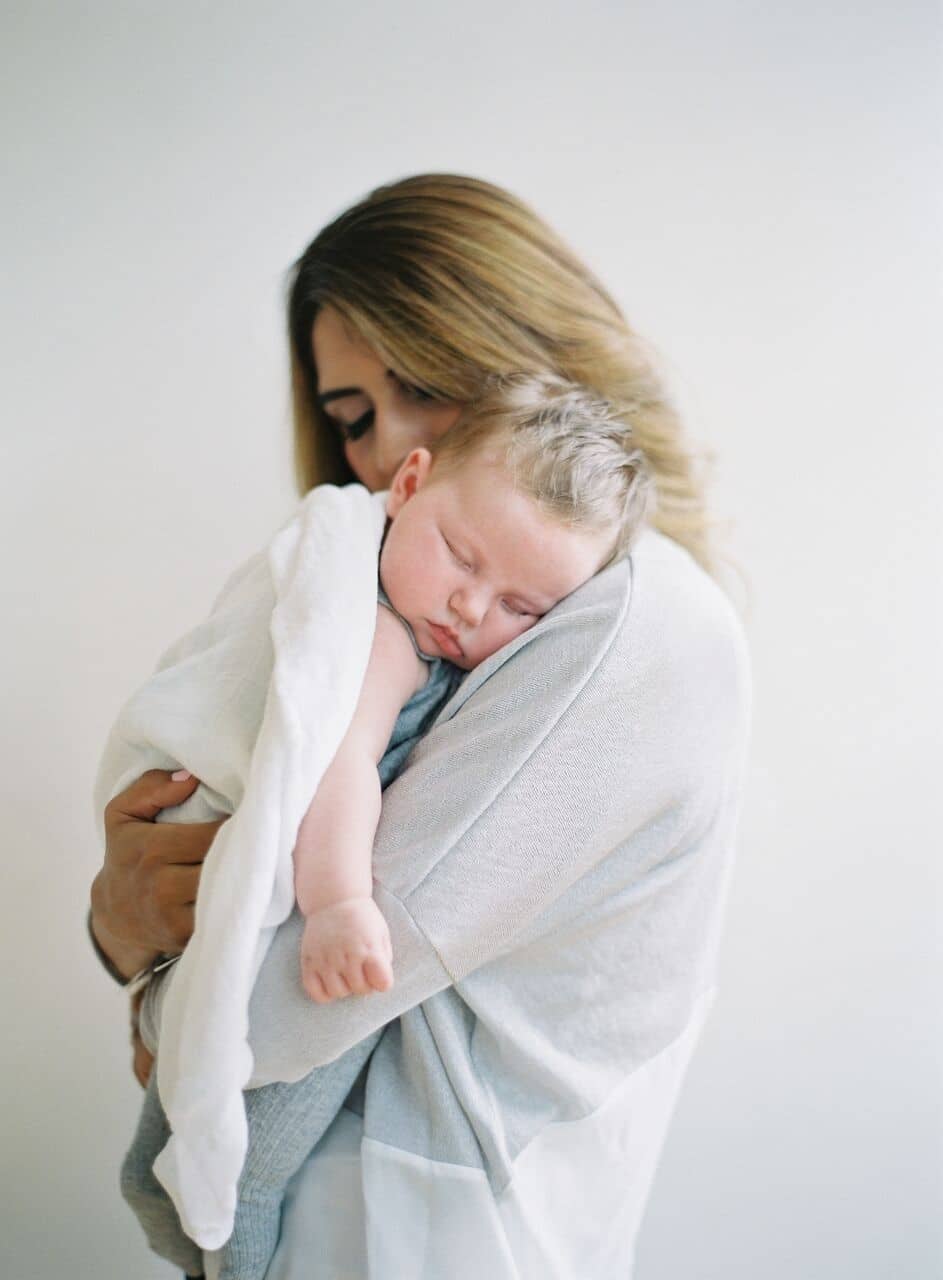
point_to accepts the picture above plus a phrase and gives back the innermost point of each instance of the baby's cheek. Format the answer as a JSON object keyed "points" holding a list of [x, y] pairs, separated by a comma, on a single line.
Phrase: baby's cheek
{"points": [[496, 639], [391, 575], [518, 628]]}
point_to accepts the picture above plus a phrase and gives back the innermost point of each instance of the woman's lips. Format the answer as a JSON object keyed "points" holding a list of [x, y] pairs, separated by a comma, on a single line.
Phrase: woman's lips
{"points": [[446, 640]]}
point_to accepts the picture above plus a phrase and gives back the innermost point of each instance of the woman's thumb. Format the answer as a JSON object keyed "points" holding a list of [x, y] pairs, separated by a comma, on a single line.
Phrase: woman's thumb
{"points": [[155, 790]]}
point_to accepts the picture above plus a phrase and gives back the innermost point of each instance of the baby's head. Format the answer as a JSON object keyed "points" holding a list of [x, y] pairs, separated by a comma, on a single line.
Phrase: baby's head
{"points": [[533, 491]]}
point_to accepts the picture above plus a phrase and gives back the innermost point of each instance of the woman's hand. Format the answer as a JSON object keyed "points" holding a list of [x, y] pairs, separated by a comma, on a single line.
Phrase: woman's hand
{"points": [[143, 897]]}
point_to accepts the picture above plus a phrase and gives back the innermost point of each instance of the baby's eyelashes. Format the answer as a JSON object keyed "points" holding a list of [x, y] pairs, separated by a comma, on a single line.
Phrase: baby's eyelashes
{"points": [[519, 611], [457, 557]]}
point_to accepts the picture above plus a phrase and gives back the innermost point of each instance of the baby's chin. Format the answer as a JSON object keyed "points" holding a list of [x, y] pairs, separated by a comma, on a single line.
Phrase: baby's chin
{"points": [[463, 661]]}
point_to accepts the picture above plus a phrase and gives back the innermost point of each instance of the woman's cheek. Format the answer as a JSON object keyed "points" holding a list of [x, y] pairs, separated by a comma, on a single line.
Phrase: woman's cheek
{"points": [[358, 460], [445, 419]]}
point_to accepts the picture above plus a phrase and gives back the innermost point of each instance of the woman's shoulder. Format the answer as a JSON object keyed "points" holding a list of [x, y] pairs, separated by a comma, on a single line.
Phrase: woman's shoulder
{"points": [[678, 661], [677, 615]]}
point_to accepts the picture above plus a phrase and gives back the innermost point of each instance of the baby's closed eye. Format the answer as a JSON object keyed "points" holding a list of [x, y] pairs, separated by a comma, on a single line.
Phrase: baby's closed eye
{"points": [[457, 556], [518, 609]]}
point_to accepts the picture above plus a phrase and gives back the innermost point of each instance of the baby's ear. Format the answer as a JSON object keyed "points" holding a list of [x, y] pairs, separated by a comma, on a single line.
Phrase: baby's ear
{"points": [[409, 479]]}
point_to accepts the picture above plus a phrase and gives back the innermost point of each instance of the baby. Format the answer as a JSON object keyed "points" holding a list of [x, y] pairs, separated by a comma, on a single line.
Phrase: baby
{"points": [[532, 492], [518, 505]]}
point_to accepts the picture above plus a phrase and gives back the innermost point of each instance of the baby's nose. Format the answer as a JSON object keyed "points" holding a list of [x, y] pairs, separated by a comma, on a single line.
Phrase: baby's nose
{"points": [[470, 605]]}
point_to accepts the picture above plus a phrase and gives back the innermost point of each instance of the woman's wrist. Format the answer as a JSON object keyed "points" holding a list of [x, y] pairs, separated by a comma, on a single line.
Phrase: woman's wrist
{"points": [[121, 960]]}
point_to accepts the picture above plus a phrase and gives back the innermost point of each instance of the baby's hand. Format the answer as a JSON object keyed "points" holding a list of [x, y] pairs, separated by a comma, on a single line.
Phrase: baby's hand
{"points": [[346, 950]]}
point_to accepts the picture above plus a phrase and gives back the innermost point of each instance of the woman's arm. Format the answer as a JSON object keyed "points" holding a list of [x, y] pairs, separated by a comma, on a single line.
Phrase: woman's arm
{"points": [[216, 675], [142, 898]]}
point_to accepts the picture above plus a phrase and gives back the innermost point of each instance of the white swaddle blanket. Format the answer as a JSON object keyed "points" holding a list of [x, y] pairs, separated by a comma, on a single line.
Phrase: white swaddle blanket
{"points": [[255, 702]]}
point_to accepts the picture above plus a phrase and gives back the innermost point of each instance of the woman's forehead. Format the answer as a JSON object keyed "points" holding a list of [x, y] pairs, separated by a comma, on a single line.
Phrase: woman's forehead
{"points": [[338, 349]]}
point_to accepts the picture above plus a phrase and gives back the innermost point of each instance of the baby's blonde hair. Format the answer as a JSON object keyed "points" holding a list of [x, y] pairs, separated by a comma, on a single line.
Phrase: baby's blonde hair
{"points": [[564, 447]]}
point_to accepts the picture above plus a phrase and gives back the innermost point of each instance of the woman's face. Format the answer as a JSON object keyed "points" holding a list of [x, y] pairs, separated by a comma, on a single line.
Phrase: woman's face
{"points": [[380, 418]]}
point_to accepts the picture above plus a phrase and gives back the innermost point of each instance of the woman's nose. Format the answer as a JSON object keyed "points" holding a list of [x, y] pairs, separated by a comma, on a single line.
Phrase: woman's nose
{"points": [[361, 461], [387, 457], [374, 459]]}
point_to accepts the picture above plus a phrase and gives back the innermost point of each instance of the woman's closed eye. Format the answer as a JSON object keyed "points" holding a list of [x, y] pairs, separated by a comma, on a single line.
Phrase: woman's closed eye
{"points": [[354, 430], [354, 426], [360, 426]]}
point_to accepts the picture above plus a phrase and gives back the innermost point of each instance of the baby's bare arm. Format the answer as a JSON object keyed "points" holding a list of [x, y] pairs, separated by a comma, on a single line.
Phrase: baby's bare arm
{"points": [[346, 943]]}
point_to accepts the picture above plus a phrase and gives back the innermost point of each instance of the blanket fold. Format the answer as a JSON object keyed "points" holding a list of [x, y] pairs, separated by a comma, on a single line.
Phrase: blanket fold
{"points": [[255, 702]]}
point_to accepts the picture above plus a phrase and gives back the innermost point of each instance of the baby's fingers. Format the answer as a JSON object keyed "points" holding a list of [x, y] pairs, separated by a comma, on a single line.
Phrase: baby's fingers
{"points": [[335, 983], [378, 972], [314, 987]]}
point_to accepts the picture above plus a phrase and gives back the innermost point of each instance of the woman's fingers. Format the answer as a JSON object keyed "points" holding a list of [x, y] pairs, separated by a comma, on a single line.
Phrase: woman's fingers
{"points": [[178, 885], [179, 922], [142, 899], [130, 816], [153, 791], [166, 843]]}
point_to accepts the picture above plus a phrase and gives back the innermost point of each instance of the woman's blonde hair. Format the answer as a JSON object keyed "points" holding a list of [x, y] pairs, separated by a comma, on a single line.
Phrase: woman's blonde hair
{"points": [[452, 281], [561, 446]]}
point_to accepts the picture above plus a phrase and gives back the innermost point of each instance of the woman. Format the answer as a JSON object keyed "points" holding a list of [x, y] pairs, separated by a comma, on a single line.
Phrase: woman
{"points": [[551, 866]]}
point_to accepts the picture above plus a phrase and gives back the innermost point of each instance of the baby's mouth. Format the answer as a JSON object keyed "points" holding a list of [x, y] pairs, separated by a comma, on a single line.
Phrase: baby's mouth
{"points": [[446, 639]]}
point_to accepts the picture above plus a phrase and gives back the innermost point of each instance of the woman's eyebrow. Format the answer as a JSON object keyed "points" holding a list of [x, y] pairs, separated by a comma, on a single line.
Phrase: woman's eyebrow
{"points": [[325, 397]]}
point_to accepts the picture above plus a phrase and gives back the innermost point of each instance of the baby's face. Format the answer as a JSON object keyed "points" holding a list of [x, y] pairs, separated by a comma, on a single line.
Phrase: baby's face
{"points": [[470, 562]]}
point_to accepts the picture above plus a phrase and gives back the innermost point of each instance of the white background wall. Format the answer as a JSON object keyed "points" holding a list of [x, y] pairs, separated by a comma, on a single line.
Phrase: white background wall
{"points": [[758, 185]]}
